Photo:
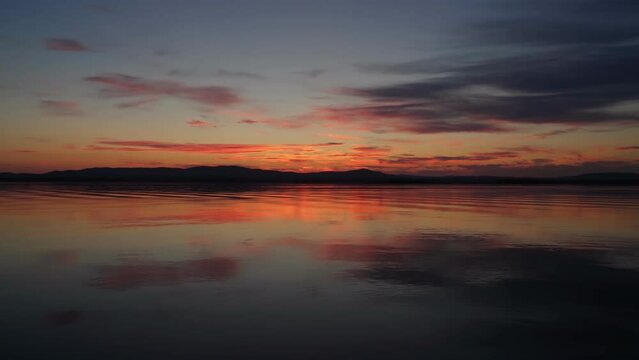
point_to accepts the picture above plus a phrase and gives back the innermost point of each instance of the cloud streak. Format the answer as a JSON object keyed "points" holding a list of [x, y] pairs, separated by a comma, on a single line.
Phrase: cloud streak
{"points": [[125, 86], [401, 118], [61, 107]]}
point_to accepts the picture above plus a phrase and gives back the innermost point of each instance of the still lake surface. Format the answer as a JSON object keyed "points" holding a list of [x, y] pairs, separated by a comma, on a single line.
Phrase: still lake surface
{"points": [[188, 271]]}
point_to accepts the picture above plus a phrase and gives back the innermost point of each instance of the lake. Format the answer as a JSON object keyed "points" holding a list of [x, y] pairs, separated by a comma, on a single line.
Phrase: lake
{"points": [[195, 271]]}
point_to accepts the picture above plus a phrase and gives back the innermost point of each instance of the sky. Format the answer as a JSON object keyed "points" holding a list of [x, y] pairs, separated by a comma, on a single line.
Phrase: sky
{"points": [[429, 87]]}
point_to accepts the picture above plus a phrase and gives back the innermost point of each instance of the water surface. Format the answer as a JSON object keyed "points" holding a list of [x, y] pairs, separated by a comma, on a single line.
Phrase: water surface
{"points": [[181, 271]]}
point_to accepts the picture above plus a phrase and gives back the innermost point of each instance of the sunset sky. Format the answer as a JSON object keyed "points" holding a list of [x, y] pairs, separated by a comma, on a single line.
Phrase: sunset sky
{"points": [[432, 87]]}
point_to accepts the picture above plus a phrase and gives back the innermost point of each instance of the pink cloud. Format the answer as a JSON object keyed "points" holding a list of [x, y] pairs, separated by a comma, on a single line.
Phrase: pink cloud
{"points": [[200, 124], [65, 45], [625, 148], [119, 85]]}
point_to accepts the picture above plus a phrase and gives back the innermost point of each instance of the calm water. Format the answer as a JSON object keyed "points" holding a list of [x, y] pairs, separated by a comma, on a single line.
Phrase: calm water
{"points": [[318, 272]]}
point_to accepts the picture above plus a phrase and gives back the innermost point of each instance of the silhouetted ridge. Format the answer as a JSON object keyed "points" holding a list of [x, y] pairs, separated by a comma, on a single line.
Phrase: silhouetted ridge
{"points": [[239, 174], [607, 176]]}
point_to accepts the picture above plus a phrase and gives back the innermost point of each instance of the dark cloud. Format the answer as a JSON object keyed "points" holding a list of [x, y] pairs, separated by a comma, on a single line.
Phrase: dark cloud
{"points": [[555, 132], [563, 64], [569, 22], [563, 86], [553, 32], [636, 147], [410, 117], [65, 45]]}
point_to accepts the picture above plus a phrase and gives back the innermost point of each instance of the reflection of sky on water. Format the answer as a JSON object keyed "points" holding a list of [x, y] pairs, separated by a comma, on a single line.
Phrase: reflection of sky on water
{"points": [[349, 272]]}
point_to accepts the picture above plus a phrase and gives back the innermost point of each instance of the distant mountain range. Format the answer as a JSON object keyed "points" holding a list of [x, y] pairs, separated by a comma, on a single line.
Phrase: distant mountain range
{"points": [[246, 175]]}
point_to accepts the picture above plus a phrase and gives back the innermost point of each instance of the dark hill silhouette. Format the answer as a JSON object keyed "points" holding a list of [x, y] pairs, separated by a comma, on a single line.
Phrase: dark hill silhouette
{"points": [[238, 174], [607, 176]]}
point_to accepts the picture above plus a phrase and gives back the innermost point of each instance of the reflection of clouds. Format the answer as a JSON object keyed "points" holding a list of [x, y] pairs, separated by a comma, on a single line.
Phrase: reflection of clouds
{"points": [[61, 257], [468, 261], [63, 317], [538, 302], [420, 258], [359, 252], [529, 272], [405, 247], [135, 273]]}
